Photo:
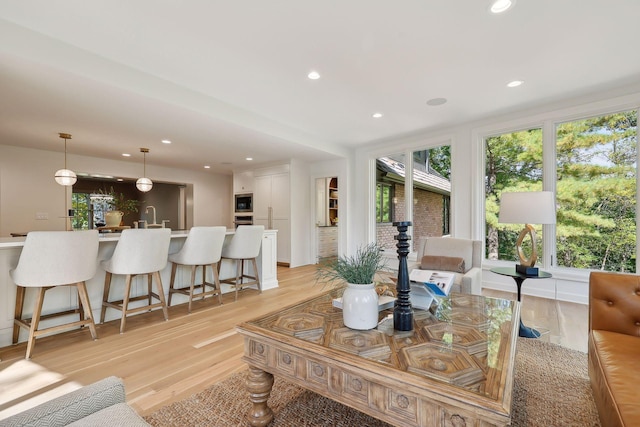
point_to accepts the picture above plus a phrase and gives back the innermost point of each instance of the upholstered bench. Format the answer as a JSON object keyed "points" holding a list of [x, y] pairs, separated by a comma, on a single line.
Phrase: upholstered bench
{"points": [[98, 404]]}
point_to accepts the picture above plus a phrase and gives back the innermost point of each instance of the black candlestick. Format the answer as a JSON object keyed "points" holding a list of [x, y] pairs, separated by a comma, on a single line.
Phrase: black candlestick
{"points": [[402, 311]]}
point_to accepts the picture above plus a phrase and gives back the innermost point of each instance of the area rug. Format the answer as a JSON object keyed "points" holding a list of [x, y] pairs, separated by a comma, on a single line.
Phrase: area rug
{"points": [[551, 389]]}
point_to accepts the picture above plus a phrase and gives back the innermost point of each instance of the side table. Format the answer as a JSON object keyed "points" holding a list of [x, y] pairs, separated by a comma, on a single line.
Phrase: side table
{"points": [[525, 331]]}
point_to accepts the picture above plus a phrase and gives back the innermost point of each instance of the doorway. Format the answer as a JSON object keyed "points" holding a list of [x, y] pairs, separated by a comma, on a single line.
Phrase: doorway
{"points": [[327, 218]]}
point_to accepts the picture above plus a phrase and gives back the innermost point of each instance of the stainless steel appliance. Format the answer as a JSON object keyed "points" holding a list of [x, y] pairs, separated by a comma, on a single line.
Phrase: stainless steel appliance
{"points": [[244, 202], [243, 220]]}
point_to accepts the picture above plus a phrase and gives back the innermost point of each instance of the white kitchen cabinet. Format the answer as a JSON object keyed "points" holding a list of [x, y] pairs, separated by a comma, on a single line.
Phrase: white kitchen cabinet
{"points": [[262, 198], [268, 266], [271, 208], [283, 227], [269, 271], [327, 242], [284, 233], [243, 182]]}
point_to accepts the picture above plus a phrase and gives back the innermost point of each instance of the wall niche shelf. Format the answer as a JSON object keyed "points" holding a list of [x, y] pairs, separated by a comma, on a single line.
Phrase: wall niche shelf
{"points": [[333, 201]]}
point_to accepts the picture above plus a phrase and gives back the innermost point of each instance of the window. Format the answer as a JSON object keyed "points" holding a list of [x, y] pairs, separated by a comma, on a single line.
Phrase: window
{"points": [[422, 197], [431, 189], [513, 163], [596, 192], [89, 210], [384, 200], [81, 207], [590, 166]]}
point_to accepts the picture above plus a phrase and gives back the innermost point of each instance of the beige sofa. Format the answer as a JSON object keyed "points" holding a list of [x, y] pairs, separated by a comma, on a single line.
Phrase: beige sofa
{"points": [[614, 347], [469, 278]]}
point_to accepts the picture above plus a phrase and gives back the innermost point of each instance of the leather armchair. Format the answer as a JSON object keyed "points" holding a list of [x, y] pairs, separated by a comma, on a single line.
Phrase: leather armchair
{"points": [[614, 346], [470, 281]]}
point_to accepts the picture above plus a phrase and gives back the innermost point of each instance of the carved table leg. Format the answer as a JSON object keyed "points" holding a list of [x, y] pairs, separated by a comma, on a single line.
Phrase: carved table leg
{"points": [[259, 385]]}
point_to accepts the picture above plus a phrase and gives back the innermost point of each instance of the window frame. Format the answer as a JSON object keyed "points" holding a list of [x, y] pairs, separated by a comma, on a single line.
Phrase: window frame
{"points": [[549, 123], [389, 202]]}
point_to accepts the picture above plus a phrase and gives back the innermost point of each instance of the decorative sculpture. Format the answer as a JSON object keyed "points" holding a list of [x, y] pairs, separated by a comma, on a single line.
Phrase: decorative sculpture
{"points": [[402, 311]]}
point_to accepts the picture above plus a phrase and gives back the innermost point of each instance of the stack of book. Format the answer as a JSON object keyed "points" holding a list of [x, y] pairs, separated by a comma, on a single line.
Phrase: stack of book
{"points": [[427, 285]]}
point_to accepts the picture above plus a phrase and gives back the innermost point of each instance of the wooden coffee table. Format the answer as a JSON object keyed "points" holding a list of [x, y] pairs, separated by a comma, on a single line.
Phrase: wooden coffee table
{"points": [[454, 369]]}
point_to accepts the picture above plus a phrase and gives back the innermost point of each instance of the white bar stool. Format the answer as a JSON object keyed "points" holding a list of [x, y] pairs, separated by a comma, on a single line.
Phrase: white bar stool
{"points": [[50, 259], [138, 252], [203, 247], [244, 246]]}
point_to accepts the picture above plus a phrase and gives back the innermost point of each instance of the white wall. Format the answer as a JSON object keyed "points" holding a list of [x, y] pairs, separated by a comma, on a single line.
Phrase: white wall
{"points": [[300, 224], [27, 187]]}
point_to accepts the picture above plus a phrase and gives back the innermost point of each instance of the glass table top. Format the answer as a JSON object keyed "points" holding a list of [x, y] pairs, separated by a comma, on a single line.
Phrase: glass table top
{"points": [[466, 341]]}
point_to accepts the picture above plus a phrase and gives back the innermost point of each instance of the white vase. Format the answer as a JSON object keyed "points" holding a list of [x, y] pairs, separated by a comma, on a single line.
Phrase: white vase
{"points": [[113, 218], [360, 306]]}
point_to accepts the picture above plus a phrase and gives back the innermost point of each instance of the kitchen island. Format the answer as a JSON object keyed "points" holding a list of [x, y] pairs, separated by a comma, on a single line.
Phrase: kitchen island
{"points": [[65, 297]]}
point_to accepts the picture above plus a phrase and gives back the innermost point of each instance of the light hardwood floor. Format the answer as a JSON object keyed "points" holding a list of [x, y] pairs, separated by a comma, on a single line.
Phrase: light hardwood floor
{"points": [[162, 362]]}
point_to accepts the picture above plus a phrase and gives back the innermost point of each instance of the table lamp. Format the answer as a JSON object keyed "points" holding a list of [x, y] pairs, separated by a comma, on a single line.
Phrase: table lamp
{"points": [[531, 207]]}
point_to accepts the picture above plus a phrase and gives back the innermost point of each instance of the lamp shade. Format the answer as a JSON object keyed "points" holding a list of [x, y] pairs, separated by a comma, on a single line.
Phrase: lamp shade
{"points": [[144, 184], [530, 207], [65, 177]]}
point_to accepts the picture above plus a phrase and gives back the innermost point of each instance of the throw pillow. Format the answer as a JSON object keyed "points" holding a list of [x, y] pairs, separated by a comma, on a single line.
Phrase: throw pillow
{"points": [[442, 263]]}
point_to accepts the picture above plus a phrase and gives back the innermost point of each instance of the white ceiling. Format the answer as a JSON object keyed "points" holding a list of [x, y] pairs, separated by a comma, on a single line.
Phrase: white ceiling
{"points": [[227, 79]]}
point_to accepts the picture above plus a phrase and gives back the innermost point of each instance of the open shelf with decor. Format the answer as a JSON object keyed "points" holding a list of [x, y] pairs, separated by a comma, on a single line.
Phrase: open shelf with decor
{"points": [[333, 201]]}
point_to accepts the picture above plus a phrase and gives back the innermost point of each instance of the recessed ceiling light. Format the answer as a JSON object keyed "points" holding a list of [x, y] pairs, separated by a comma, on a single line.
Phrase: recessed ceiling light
{"points": [[376, 115], [436, 101], [207, 167], [120, 180], [515, 83], [249, 158], [126, 155], [166, 141], [499, 6], [313, 75]]}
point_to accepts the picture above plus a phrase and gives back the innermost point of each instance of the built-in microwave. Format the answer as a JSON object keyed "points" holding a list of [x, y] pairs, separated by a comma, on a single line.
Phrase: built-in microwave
{"points": [[244, 202]]}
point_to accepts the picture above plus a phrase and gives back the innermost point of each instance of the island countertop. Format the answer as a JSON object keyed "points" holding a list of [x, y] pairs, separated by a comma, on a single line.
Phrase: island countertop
{"points": [[17, 242]]}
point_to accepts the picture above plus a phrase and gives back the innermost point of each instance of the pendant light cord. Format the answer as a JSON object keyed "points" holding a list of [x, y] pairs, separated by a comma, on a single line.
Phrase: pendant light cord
{"points": [[65, 153]]}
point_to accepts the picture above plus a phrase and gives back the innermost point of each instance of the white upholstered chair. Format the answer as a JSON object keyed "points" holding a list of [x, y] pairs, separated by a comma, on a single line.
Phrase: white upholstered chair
{"points": [[202, 248], [138, 252], [50, 259], [469, 281], [244, 246]]}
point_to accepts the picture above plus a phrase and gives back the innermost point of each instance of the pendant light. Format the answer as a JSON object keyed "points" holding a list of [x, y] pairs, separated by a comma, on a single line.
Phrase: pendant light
{"points": [[65, 176], [144, 184]]}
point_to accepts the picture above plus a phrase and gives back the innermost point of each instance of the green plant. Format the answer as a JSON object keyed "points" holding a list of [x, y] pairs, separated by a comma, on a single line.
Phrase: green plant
{"points": [[360, 268], [119, 202]]}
